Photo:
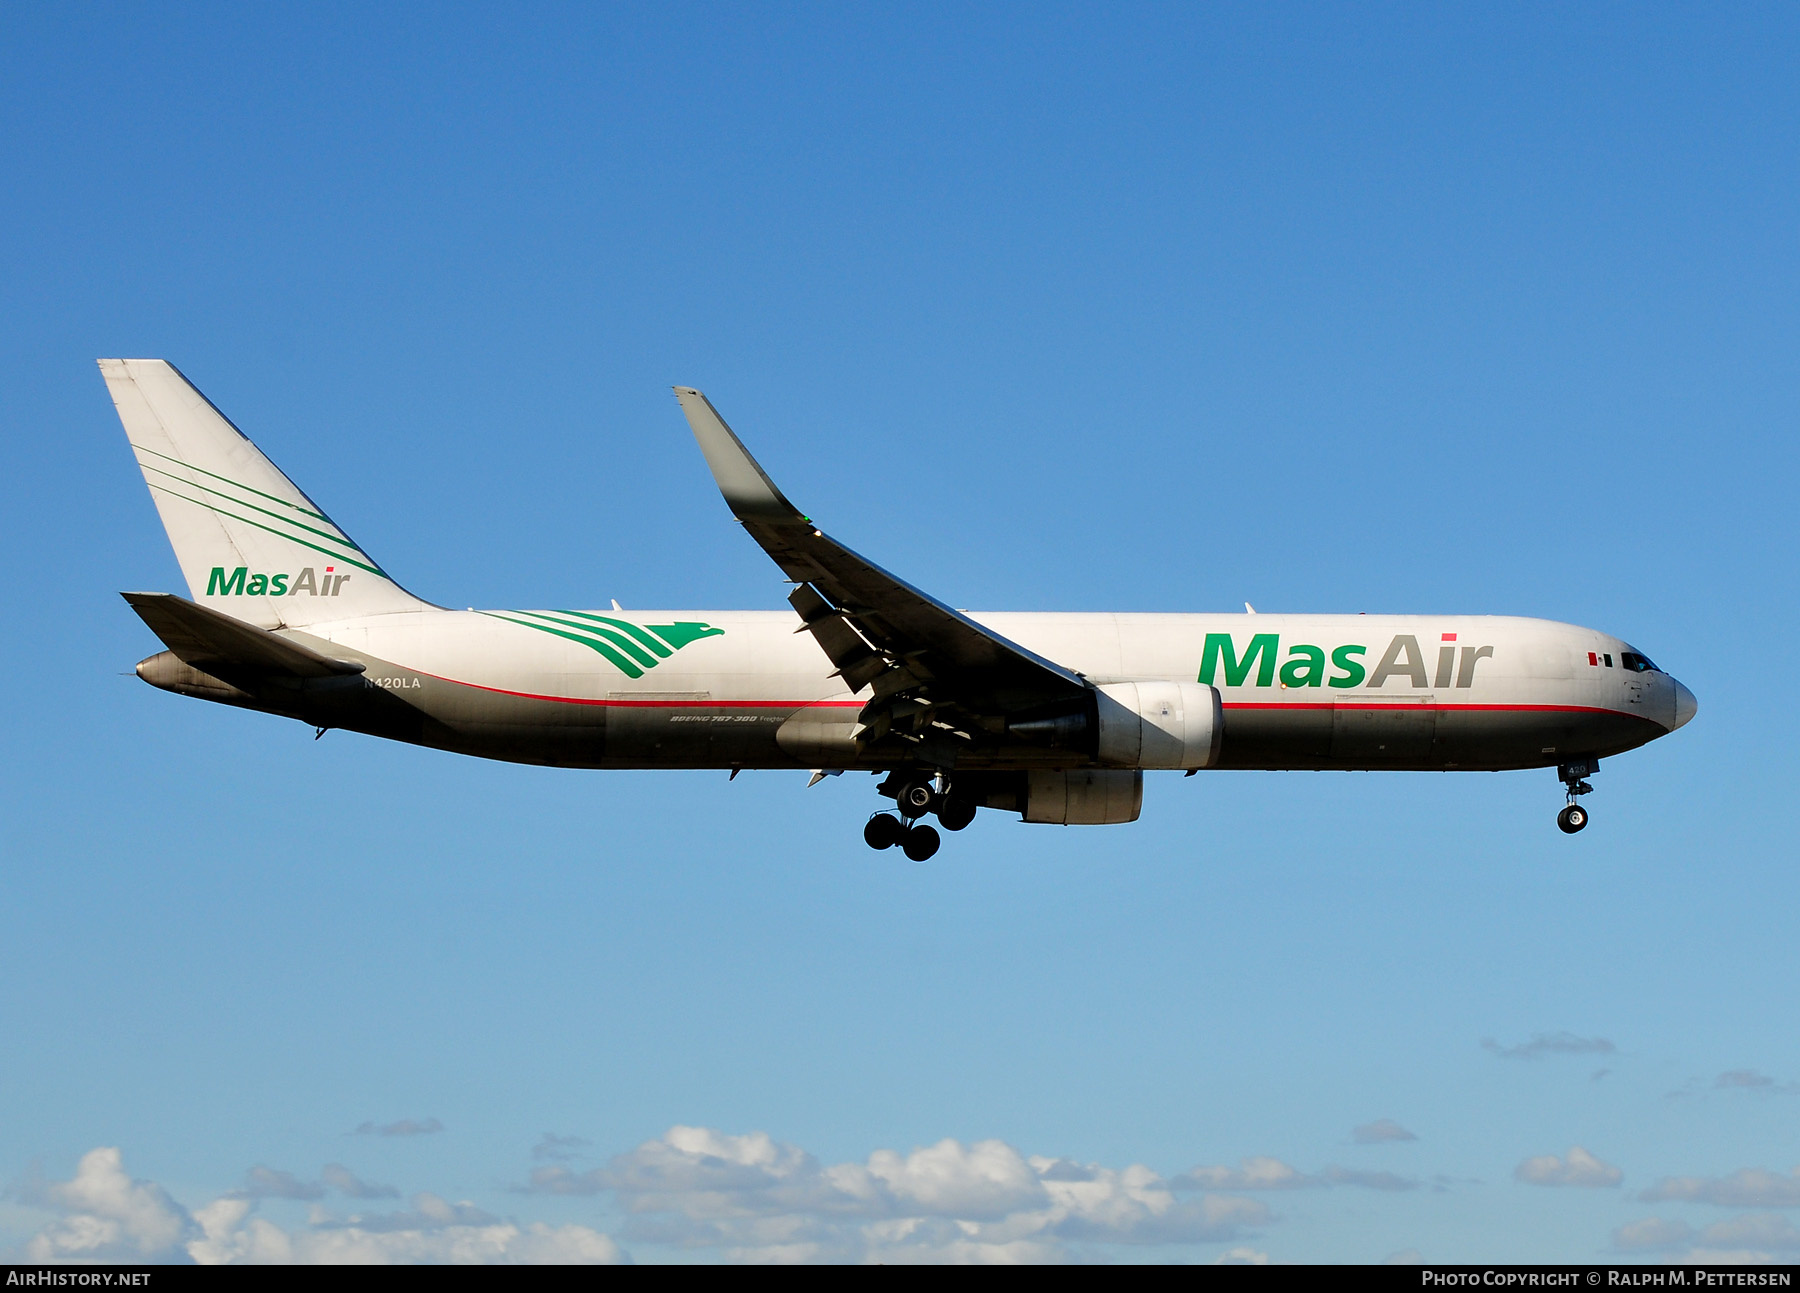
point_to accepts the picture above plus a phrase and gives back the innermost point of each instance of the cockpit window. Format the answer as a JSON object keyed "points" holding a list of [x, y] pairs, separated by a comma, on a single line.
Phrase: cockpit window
{"points": [[1638, 663]]}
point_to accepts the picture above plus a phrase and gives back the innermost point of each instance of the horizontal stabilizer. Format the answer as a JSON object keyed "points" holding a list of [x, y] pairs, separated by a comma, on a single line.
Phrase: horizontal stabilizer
{"points": [[208, 640]]}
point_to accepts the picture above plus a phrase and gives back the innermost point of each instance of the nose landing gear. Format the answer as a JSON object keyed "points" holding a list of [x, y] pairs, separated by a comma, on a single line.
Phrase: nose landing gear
{"points": [[1573, 817]]}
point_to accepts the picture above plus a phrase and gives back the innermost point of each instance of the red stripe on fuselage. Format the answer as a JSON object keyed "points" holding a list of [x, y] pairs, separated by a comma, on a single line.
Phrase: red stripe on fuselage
{"points": [[649, 704], [857, 704]]}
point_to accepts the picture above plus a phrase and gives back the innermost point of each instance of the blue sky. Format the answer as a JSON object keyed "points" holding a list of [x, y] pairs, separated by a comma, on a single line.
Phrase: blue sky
{"points": [[1472, 309]]}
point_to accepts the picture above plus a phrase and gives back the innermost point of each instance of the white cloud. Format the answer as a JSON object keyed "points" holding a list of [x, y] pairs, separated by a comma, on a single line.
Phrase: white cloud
{"points": [[266, 1183], [262, 1182], [430, 1212], [1367, 1180], [759, 1200], [1760, 1230], [1273, 1174], [1259, 1173], [1753, 1236], [1380, 1132], [1745, 1078], [1135, 1206], [1542, 1044], [1241, 1257], [1736, 1080], [558, 1149], [104, 1215], [1722, 1257], [437, 1233], [404, 1127], [344, 1181], [984, 1181], [1750, 1187], [1580, 1168], [1652, 1234], [747, 1198]]}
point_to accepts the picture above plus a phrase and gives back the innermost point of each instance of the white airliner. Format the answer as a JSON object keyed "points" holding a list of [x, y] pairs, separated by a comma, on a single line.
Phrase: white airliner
{"points": [[1052, 716]]}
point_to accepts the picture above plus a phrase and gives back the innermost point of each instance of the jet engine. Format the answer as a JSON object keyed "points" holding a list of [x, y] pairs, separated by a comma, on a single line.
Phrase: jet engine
{"points": [[1159, 725], [1083, 797]]}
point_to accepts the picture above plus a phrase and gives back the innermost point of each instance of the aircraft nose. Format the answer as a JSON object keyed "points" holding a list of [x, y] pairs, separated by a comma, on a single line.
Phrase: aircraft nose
{"points": [[1685, 705]]}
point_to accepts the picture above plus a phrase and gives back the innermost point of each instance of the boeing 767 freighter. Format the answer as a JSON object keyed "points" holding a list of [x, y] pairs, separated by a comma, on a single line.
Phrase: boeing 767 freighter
{"points": [[1055, 717]]}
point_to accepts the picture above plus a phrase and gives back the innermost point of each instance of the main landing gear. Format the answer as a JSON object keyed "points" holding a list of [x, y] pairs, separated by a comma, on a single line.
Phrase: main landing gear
{"points": [[886, 830], [1574, 816], [915, 796]]}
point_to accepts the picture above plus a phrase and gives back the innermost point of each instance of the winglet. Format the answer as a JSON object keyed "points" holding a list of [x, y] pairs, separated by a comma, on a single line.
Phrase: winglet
{"points": [[746, 486]]}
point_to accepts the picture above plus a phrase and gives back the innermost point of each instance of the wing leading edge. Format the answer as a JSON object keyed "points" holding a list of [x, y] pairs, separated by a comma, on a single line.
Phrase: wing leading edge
{"points": [[935, 672]]}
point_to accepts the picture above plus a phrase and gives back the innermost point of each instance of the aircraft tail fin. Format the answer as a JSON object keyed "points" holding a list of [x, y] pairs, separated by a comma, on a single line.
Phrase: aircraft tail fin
{"points": [[250, 543]]}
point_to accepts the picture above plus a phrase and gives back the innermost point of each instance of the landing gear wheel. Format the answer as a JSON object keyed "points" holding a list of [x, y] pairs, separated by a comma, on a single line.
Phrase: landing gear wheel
{"points": [[883, 831], [953, 814], [920, 843], [915, 798], [1572, 819]]}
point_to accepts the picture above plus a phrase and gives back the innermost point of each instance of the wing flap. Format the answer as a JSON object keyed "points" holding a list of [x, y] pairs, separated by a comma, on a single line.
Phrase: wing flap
{"points": [[858, 663]]}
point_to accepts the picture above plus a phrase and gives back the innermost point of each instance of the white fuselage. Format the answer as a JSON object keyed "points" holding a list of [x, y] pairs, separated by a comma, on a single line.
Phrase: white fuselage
{"points": [[1298, 691], [1054, 716]]}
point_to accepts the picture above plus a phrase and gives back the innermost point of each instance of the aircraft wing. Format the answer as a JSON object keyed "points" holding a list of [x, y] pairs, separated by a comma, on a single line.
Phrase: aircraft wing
{"points": [[209, 640], [878, 630]]}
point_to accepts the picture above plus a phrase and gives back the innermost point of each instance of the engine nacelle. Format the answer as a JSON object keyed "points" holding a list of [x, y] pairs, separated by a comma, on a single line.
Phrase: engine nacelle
{"points": [[1160, 725], [1084, 797], [816, 740]]}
